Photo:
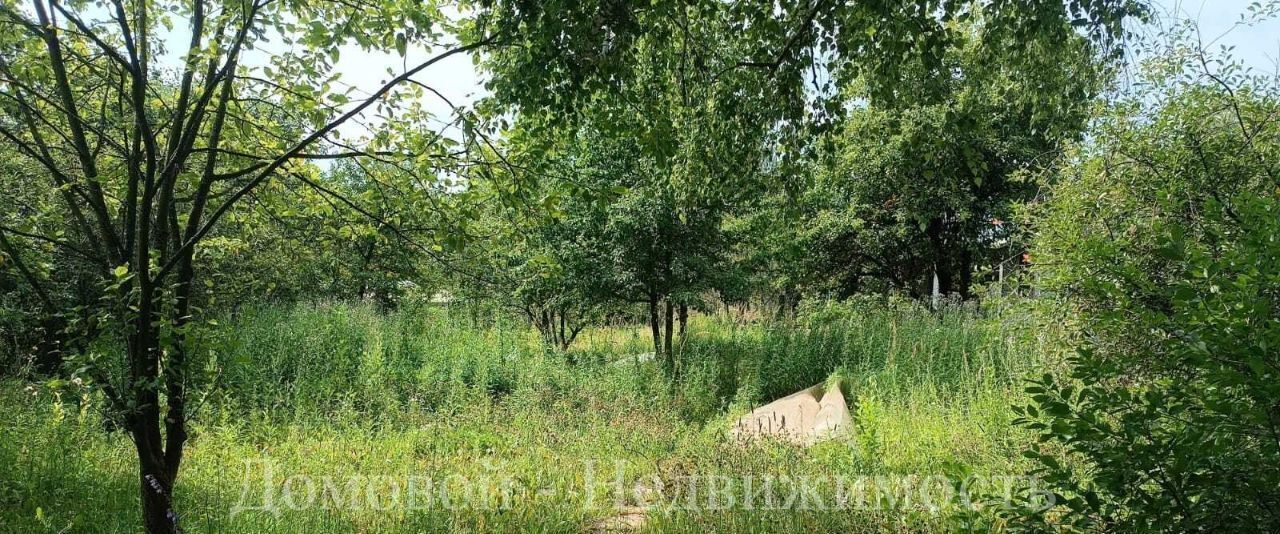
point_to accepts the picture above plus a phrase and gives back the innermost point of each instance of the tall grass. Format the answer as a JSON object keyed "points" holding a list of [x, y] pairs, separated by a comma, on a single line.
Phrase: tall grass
{"points": [[895, 349], [341, 390], [331, 359]]}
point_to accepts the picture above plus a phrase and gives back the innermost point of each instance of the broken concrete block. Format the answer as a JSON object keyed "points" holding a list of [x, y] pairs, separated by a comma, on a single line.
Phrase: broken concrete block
{"points": [[801, 418]]}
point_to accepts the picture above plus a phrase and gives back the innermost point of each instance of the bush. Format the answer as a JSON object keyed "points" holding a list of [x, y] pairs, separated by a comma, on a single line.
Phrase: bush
{"points": [[1165, 242]]}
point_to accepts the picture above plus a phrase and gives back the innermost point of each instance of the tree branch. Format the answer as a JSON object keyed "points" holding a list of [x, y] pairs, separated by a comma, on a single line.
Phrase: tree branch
{"points": [[307, 141]]}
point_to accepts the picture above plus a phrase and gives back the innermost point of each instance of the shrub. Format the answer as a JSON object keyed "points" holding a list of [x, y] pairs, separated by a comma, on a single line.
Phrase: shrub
{"points": [[1165, 242]]}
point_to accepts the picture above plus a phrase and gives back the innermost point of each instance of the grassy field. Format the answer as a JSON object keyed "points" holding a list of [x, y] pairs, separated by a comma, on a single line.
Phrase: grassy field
{"points": [[335, 418]]}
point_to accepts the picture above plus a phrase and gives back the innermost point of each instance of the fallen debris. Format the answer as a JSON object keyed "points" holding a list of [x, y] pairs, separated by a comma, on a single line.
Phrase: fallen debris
{"points": [[802, 418]]}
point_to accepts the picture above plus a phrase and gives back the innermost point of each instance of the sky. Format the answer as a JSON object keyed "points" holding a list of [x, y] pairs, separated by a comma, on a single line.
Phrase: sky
{"points": [[454, 77], [1257, 46]]}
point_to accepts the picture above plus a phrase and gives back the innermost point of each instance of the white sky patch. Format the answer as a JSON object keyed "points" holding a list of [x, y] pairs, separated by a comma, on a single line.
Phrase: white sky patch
{"points": [[1256, 46], [455, 77]]}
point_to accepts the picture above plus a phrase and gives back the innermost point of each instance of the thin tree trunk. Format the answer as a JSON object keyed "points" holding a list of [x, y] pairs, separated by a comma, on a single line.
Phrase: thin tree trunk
{"points": [[562, 336], [941, 260], [155, 489], [684, 322], [155, 483], [666, 342], [655, 326], [49, 350]]}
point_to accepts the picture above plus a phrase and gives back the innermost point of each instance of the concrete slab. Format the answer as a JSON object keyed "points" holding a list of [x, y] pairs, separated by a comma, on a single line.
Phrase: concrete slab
{"points": [[801, 418]]}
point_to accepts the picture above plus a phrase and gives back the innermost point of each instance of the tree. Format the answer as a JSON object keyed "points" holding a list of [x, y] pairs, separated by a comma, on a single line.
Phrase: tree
{"points": [[1161, 236], [669, 141], [926, 180], [608, 233], [142, 159], [536, 259], [689, 80], [146, 159], [291, 240]]}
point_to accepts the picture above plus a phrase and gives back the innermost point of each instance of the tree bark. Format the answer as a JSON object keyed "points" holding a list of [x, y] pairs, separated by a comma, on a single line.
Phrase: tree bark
{"points": [[684, 322], [941, 259], [561, 336], [666, 342], [155, 489], [155, 475], [655, 326]]}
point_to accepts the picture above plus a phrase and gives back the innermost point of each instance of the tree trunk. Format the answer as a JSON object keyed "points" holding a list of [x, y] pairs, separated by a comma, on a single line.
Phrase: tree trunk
{"points": [[49, 351], [155, 474], [684, 322], [941, 259], [159, 454], [563, 339], [655, 326], [666, 342], [156, 491]]}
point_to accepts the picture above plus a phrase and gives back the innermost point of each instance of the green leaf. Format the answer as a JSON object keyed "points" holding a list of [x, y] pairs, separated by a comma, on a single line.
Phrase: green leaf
{"points": [[402, 44]]}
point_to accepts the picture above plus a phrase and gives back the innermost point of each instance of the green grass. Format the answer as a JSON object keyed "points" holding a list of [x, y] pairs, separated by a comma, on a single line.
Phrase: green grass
{"points": [[340, 391]]}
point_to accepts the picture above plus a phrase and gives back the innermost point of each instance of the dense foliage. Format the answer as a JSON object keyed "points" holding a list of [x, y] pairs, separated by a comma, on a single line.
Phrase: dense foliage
{"points": [[1162, 233], [925, 182]]}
